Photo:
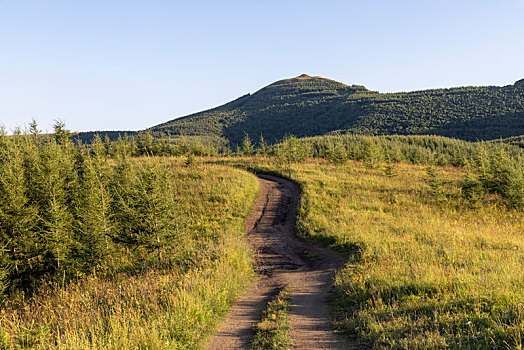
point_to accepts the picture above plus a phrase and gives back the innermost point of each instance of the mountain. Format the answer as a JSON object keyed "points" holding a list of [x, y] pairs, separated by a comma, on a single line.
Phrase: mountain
{"points": [[310, 106], [301, 106], [87, 136]]}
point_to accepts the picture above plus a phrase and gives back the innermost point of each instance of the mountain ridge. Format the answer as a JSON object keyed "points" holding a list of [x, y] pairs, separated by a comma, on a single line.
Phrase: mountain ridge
{"points": [[311, 105]]}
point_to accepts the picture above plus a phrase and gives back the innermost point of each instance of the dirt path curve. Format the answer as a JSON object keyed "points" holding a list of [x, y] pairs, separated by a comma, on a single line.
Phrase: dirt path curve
{"points": [[281, 261]]}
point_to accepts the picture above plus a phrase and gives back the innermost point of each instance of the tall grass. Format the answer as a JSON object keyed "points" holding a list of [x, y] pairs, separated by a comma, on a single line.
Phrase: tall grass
{"points": [[426, 268], [272, 332]]}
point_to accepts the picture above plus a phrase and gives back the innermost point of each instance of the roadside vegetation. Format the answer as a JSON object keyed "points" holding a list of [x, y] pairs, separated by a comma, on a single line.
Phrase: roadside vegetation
{"points": [[103, 250], [272, 332], [116, 253], [428, 267]]}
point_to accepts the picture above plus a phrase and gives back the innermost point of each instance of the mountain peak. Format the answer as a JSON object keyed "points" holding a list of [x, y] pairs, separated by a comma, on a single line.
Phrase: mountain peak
{"points": [[303, 76], [311, 81]]}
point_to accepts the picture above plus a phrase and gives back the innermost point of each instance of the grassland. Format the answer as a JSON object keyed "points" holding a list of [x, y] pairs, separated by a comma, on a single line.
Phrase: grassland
{"points": [[426, 268], [174, 307], [272, 332]]}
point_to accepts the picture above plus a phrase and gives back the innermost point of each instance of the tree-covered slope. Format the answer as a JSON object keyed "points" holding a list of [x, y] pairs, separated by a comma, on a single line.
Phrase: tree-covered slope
{"points": [[309, 106]]}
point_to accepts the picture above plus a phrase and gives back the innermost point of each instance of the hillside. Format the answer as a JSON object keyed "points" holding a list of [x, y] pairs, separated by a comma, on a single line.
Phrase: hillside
{"points": [[309, 106]]}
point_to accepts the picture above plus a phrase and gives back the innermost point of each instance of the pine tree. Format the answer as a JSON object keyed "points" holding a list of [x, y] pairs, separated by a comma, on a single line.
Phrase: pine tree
{"points": [[54, 191], [247, 148], [433, 181], [18, 215], [92, 210], [372, 153], [33, 128], [292, 150], [337, 153], [143, 206], [262, 146], [156, 204], [60, 132]]}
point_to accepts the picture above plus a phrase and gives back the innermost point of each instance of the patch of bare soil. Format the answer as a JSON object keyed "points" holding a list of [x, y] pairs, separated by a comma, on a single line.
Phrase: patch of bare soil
{"points": [[281, 262]]}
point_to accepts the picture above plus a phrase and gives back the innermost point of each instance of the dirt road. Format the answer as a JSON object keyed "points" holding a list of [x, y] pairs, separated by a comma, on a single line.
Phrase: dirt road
{"points": [[281, 261]]}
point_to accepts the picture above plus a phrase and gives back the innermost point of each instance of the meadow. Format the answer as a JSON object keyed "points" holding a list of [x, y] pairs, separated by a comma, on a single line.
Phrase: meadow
{"points": [[102, 250], [427, 267]]}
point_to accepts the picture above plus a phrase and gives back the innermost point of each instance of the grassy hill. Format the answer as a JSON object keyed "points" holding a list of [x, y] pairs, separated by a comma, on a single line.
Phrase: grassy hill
{"points": [[427, 268], [309, 106]]}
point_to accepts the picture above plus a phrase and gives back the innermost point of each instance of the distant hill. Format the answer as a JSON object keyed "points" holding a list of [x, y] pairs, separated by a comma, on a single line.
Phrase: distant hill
{"points": [[87, 136], [309, 106]]}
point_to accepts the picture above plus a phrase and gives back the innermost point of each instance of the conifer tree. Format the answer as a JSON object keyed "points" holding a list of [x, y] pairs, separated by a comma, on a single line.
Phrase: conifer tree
{"points": [[155, 206], [337, 153], [17, 215], [262, 146], [247, 148], [372, 153], [60, 132], [54, 191], [92, 210]]}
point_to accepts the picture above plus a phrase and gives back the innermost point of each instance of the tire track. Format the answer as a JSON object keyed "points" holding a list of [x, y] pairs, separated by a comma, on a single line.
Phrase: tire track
{"points": [[280, 261]]}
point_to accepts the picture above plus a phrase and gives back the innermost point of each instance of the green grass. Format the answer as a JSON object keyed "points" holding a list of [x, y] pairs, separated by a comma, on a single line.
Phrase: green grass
{"points": [[272, 332], [425, 268], [175, 307]]}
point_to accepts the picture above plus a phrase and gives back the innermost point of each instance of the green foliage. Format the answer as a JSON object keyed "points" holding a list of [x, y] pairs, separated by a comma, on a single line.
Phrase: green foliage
{"points": [[247, 148], [272, 332], [263, 147], [291, 150], [372, 153], [155, 254], [497, 171], [142, 206], [337, 153], [67, 210], [61, 134], [309, 106], [190, 160], [373, 150], [146, 143], [472, 190], [420, 273], [435, 184]]}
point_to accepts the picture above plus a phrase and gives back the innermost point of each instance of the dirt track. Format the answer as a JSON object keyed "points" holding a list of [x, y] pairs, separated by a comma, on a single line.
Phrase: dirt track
{"points": [[280, 262]]}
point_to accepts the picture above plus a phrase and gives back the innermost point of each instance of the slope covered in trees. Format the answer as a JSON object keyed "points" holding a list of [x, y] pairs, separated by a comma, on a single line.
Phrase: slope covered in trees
{"points": [[309, 106]]}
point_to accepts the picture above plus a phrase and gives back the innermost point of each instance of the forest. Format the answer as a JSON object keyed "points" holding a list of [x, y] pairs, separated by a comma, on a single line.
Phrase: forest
{"points": [[312, 106]]}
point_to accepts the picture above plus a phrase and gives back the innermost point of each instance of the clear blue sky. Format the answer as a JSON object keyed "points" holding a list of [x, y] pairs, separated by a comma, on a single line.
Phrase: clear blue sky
{"points": [[127, 64]]}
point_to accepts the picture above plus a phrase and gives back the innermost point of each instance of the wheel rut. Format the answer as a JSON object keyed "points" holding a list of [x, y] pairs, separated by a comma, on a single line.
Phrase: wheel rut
{"points": [[279, 262]]}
